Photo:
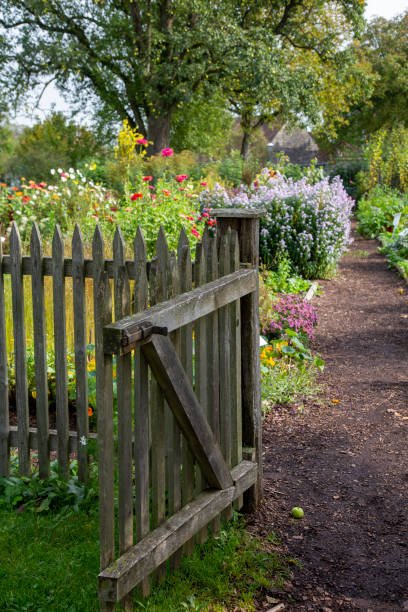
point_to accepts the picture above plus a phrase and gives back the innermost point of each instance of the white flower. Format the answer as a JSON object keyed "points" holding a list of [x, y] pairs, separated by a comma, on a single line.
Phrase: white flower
{"points": [[2, 239], [60, 170], [52, 170], [83, 440], [71, 171]]}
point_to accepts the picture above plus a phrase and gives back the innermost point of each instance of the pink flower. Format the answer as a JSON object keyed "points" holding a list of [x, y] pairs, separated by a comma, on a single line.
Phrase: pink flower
{"points": [[142, 141], [195, 233], [63, 174], [167, 152], [203, 184], [147, 178], [181, 177]]}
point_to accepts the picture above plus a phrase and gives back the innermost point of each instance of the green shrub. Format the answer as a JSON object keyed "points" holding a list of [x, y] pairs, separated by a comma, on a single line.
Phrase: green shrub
{"points": [[377, 209]]}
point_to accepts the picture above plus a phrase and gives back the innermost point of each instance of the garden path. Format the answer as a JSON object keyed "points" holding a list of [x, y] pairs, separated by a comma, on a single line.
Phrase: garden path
{"points": [[345, 461]]}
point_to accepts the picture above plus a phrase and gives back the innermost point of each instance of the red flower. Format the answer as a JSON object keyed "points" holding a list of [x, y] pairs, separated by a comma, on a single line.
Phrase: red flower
{"points": [[25, 198], [203, 184], [136, 196], [167, 152], [147, 178], [181, 177]]}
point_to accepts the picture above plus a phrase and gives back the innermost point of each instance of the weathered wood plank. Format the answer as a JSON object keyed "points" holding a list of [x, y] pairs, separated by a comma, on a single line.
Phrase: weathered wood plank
{"points": [[173, 433], [4, 404], [118, 579], [104, 404], [40, 352], [225, 363], [124, 402], [224, 353], [235, 361], [141, 409], [200, 369], [212, 356], [158, 456], [60, 351], [186, 358], [247, 225], [173, 380], [186, 308], [19, 351], [53, 439], [81, 372]]}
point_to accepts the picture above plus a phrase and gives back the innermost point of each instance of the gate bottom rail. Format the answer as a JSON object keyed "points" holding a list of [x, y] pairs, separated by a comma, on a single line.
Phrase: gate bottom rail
{"points": [[123, 574]]}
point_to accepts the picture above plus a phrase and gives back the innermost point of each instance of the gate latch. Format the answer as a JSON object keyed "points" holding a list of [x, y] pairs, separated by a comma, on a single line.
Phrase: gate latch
{"points": [[141, 331]]}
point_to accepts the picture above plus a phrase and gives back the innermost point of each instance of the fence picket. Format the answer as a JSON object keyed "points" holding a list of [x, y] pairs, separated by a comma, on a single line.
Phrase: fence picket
{"points": [[225, 362], [200, 350], [172, 429], [213, 371], [141, 410], [158, 461], [20, 356], [104, 405], [186, 357], [4, 403], [124, 399], [235, 355], [60, 350], [81, 371], [40, 352]]}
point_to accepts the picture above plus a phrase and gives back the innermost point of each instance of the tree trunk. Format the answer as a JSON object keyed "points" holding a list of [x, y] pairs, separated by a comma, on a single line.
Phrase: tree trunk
{"points": [[245, 147], [158, 133]]}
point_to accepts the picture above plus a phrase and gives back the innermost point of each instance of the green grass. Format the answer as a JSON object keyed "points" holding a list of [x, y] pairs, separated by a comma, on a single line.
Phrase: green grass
{"points": [[51, 563]]}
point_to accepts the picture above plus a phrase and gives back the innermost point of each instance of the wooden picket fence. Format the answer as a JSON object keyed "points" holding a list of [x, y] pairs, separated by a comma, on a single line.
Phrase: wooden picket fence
{"points": [[182, 433]]}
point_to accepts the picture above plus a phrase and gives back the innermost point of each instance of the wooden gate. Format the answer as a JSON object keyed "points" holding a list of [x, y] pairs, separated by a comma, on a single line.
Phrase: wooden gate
{"points": [[188, 399]]}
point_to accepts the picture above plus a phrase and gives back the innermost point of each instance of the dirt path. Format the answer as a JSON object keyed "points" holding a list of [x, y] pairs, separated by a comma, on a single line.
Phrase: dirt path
{"points": [[346, 462]]}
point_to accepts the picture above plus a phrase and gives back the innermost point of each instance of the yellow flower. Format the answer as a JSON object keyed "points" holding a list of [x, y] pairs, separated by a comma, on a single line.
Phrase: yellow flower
{"points": [[335, 401], [400, 291], [19, 193], [34, 394], [22, 178], [55, 196], [271, 361]]}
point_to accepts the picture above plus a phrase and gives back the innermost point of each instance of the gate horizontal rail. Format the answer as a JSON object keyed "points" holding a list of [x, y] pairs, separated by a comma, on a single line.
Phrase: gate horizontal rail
{"points": [[122, 336]]}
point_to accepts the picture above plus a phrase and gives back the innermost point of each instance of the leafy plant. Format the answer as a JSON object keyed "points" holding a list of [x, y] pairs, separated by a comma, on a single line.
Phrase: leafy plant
{"points": [[281, 279], [52, 494], [377, 209]]}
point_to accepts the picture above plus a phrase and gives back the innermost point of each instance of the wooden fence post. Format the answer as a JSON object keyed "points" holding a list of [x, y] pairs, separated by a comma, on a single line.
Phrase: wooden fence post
{"points": [[246, 223]]}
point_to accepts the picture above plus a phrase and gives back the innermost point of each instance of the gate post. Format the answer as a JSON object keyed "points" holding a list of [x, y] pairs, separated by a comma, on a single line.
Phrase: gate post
{"points": [[246, 223]]}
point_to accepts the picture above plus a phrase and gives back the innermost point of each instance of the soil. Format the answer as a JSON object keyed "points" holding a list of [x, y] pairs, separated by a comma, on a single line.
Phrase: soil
{"points": [[344, 459]]}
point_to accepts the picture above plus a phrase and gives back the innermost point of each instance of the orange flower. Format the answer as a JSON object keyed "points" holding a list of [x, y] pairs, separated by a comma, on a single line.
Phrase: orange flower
{"points": [[19, 193], [166, 192], [3, 185], [335, 401], [14, 188], [90, 411]]}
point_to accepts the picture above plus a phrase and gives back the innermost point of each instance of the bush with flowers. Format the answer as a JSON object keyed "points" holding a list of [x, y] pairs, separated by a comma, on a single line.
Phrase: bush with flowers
{"points": [[308, 223]]}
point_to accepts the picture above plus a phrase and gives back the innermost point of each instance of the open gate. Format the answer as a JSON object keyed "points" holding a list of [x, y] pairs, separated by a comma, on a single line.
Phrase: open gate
{"points": [[188, 401]]}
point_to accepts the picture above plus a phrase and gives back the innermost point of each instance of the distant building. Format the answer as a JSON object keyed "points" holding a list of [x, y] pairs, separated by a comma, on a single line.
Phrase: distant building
{"points": [[296, 143]]}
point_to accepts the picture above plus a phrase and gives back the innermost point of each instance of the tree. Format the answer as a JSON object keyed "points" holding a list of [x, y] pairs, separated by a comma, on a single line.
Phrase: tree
{"points": [[54, 142], [142, 59], [385, 49]]}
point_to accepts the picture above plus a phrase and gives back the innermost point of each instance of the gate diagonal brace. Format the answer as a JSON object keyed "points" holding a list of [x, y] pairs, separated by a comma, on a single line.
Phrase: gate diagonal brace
{"points": [[176, 387]]}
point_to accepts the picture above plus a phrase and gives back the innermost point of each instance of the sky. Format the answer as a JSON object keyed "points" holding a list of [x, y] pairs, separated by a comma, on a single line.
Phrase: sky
{"points": [[374, 8]]}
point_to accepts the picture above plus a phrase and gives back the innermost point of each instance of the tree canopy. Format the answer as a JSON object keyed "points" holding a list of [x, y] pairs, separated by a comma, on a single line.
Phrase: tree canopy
{"points": [[384, 47], [141, 60]]}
